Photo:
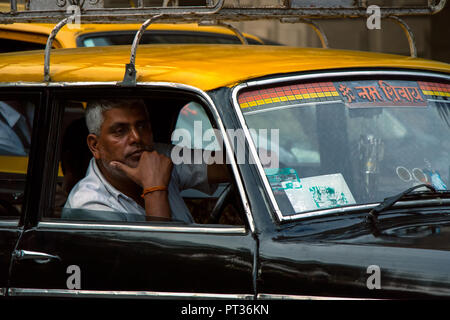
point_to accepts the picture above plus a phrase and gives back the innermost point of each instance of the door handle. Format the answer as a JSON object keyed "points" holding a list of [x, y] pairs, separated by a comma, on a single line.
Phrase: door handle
{"points": [[39, 257]]}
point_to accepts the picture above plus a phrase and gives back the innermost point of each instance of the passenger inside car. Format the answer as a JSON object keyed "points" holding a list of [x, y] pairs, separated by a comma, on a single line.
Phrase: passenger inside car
{"points": [[121, 177], [16, 122], [15, 127]]}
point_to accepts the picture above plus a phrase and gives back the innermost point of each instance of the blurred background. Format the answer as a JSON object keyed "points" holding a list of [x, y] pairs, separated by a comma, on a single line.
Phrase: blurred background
{"points": [[431, 32]]}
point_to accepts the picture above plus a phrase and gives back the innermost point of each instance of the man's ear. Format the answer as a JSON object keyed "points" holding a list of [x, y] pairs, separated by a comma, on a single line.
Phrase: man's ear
{"points": [[92, 142]]}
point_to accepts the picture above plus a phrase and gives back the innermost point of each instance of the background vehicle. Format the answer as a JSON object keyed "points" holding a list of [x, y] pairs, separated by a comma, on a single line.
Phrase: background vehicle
{"points": [[22, 36]]}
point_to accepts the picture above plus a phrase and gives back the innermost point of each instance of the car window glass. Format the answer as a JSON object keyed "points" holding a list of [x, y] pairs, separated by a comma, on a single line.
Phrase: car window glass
{"points": [[10, 45], [16, 122], [193, 129], [155, 37], [86, 188], [346, 143]]}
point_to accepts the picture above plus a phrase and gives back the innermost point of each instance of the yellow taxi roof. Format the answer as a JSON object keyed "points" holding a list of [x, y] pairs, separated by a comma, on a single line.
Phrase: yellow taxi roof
{"points": [[203, 66], [66, 37]]}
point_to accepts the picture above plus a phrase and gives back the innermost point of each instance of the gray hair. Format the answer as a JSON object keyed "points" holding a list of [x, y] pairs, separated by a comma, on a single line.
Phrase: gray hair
{"points": [[96, 108]]}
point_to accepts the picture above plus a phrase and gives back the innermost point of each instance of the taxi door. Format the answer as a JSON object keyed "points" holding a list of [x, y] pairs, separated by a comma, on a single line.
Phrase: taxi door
{"points": [[57, 257]]}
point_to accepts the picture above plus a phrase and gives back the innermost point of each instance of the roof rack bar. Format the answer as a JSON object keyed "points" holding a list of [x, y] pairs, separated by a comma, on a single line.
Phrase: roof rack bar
{"points": [[436, 6], [409, 34], [129, 79], [220, 12], [316, 27], [236, 31], [48, 48], [13, 5]]}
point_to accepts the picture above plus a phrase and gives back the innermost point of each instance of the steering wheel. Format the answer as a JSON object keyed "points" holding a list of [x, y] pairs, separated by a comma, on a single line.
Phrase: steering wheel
{"points": [[224, 199]]}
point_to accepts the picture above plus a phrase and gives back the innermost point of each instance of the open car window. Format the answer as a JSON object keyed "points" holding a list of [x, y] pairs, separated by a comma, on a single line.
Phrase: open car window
{"points": [[84, 193], [16, 123], [345, 143]]}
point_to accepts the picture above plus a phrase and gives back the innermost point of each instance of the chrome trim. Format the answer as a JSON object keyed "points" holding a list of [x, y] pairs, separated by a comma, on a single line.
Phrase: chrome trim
{"points": [[129, 227], [9, 223], [33, 255], [325, 212], [92, 84], [326, 74], [26, 292], [316, 76], [265, 296], [436, 100]]}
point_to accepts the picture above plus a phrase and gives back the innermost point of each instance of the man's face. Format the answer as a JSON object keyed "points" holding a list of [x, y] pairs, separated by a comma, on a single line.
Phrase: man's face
{"points": [[125, 134]]}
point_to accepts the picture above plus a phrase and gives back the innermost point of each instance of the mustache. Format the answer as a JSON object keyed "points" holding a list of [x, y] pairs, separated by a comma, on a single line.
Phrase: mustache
{"points": [[139, 149]]}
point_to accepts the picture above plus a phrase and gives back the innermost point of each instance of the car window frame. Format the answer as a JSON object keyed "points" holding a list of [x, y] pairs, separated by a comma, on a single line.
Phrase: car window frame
{"points": [[29, 197], [61, 89], [327, 75]]}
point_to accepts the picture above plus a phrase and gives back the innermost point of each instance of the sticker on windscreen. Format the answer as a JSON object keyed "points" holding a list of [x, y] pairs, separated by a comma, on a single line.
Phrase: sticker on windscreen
{"points": [[306, 194], [294, 94], [381, 93], [355, 94], [283, 179], [435, 90]]}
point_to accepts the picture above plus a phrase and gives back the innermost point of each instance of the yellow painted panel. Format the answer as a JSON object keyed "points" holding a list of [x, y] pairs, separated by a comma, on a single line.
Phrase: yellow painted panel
{"points": [[203, 66]]}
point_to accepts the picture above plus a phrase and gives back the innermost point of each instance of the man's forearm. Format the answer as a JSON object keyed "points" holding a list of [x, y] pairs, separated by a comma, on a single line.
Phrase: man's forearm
{"points": [[157, 204]]}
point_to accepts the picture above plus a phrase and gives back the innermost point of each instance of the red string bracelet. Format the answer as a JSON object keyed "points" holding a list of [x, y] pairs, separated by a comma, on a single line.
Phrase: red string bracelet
{"points": [[152, 189]]}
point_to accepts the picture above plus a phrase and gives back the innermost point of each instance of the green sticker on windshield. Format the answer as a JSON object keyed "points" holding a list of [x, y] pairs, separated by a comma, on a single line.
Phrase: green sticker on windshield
{"points": [[306, 194], [283, 179]]}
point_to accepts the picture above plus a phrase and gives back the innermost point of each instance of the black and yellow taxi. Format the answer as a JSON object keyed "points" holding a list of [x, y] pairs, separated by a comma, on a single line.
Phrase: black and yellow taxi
{"points": [[338, 163]]}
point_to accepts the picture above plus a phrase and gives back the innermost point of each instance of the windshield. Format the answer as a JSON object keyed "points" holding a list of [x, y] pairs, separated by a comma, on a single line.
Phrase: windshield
{"points": [[351, 142]]}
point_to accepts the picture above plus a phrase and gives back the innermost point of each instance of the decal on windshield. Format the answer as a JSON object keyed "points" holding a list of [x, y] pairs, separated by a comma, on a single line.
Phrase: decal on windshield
{"points": [[355, 94], [435, 90], [291, 94], [381, 93], [283, 179], [306, 194]]}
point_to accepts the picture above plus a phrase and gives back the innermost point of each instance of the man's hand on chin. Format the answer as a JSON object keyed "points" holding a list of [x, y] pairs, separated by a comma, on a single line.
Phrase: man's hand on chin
{"points": [[152, 172]]}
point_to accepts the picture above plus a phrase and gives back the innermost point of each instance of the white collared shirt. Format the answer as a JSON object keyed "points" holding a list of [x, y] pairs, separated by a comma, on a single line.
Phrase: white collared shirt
{"points": [[94, 192], [10, 143]]}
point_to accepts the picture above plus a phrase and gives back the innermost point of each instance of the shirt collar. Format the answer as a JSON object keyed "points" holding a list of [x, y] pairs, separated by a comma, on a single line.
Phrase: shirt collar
{"points": [[113, 191]]}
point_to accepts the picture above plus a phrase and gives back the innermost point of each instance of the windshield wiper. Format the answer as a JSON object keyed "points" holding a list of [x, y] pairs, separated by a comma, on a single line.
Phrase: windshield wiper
{"points": [[389, 202]]}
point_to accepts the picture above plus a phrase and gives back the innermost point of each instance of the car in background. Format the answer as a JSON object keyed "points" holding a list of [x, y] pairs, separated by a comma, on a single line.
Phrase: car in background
{"points": [[22, 36]]}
